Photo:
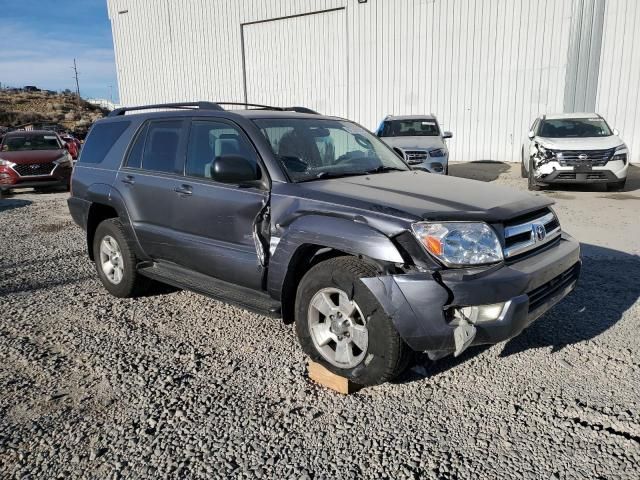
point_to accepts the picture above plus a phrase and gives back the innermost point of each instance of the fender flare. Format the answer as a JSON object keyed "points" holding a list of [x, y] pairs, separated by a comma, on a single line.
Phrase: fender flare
{"points": [[338, 233]]}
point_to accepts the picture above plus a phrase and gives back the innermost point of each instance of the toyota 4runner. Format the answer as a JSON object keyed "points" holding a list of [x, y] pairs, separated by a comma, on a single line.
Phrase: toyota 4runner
{"points": [[313, 219]]}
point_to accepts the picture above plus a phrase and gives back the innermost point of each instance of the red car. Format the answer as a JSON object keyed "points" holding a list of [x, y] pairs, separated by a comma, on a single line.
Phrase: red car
{"points": [[37, 159]]}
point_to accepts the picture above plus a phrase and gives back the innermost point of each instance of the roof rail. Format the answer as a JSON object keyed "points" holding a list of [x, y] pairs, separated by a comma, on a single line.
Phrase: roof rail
{"points": [[259, 106], [208, 106], [179, 105]]}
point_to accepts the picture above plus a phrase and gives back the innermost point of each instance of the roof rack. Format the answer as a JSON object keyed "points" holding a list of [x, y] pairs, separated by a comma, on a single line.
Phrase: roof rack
{"points": [[208, 106], [179, 105]]}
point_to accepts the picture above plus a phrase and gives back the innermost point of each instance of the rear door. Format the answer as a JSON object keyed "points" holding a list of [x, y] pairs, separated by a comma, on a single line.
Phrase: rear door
{"points": [[151, 182], [216, 221]]}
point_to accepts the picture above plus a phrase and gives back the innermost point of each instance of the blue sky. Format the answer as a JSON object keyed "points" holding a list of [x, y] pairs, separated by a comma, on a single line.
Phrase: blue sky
{"points": [[40, 38]]}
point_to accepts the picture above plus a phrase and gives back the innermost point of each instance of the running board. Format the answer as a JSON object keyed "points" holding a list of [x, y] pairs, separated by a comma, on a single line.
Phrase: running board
{"points": [[254, 301]]}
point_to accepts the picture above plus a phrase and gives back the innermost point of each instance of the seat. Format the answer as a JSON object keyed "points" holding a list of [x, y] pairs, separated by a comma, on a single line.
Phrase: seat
{"points": [[293, 144], [200, 153]]}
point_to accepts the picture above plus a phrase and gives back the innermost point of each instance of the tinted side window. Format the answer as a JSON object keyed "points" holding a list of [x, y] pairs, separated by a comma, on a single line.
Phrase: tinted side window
{"points": [[161, 147], [135, 154], [209, 140], [100, 141]]}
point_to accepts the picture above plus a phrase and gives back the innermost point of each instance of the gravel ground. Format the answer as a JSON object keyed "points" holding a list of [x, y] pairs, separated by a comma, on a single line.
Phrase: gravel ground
{"points": [[183, 386]]}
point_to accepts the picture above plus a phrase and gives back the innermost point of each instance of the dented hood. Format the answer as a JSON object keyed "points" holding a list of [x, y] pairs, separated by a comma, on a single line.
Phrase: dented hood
{"points": [[420, 195], [585, 144]]}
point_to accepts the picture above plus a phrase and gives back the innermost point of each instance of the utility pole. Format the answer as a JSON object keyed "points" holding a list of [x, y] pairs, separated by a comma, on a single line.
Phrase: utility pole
{"points": [[75, 69]]}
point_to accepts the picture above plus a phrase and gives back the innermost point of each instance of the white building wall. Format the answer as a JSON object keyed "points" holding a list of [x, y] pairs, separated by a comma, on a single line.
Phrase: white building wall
{"points": [[486, 68], [618, 98]]}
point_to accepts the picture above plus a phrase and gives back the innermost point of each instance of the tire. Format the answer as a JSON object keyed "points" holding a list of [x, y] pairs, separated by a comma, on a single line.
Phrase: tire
{"points": [[616, 186], [532, 184], [130, 283], [523, 171], [385, 354]]}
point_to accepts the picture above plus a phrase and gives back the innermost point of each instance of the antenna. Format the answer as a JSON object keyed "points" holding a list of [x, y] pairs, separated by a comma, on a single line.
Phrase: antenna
{"points": [[75, 69]]}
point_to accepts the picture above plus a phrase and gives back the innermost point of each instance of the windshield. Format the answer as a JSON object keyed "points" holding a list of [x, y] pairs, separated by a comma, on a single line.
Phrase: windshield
{"points": [[16, 143], [410, 128], [574, 128], [321, 148]]}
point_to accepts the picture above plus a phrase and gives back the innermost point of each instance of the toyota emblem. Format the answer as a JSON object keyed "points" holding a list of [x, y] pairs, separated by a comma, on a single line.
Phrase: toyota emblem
{"points": [[582, 156], [539, 232]]}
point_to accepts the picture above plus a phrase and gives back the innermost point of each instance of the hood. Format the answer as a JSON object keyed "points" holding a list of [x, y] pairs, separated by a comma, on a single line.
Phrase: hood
{"points": [[414, 142], [416, 195], [33, 156], [584, 143]]}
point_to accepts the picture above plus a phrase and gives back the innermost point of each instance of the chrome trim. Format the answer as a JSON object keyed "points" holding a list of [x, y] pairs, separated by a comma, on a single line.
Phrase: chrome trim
{"points": [[532, 242]]}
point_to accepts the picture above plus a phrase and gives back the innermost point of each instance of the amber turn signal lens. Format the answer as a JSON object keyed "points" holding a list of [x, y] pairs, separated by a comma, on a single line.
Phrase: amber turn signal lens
{"points": [[434, 245]]}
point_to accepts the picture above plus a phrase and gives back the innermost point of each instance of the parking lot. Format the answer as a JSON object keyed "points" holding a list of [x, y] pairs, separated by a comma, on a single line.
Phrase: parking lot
{"points": [[175, 384]]}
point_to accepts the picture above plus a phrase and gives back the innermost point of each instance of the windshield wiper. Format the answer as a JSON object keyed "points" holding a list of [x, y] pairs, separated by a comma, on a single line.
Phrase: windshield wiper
{"points": [[325, 175], [384, 169]]}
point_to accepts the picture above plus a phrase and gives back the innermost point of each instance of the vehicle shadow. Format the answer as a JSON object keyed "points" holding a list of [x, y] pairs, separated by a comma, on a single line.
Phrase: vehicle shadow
{"points": [[609, 285], [11, 203], [483, 170]]}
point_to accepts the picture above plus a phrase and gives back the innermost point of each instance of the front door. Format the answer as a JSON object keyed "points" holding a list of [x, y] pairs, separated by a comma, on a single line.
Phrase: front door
{"points": [[215, 221]]}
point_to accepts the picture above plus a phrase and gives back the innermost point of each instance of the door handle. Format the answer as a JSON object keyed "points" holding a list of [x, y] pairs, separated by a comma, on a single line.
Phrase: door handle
{"points": [[130, 179], [183, 190]]}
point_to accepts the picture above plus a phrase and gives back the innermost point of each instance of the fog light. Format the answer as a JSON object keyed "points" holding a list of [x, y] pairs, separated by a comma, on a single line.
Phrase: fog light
{"points": [[481, 313], [436, 167]]}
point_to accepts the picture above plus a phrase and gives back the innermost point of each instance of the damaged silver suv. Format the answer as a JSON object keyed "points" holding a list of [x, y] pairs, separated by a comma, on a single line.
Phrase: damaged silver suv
{"points": [[315, 220]]}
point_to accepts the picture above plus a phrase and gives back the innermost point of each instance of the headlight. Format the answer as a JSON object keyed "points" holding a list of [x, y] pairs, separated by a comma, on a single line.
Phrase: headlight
{"points": [[440, 152], [620, 154], [458, 244], [6, 163]]}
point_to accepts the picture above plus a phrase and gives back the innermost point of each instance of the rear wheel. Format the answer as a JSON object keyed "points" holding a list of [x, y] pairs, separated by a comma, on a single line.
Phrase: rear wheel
{"points": [[531, 179], [341, 325], [616, 186], [115, 261]]}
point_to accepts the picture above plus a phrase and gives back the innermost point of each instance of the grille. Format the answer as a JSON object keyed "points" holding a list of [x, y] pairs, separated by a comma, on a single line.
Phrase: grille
{"points": [[540, 295], [34, 169], [415, 156], [530, 233], [588, 176], [595, 158]]}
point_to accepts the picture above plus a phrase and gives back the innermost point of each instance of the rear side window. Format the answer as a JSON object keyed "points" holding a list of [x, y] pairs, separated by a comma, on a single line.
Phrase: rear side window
{"points": [[161, 147], [100, 141], [135, 154]]}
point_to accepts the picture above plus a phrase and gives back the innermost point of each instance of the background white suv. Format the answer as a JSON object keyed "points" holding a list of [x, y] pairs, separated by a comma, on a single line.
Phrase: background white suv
{"points": [[419, 140], [574, 148]]}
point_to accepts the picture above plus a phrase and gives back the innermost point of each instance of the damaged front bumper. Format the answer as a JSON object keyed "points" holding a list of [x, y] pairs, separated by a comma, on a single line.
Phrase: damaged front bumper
{"points": [[426, 308]]}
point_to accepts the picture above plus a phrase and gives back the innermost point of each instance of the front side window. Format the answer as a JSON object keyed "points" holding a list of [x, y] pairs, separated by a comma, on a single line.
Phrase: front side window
{"points": [[18, 143], [161, 147], [410, 128], [210, 141], [321, 148], [574, 128]]}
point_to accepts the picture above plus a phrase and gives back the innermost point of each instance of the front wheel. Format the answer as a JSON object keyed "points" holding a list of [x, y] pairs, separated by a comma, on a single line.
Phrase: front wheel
{"points": [[523, 171], [341, 325], [115, 261]]}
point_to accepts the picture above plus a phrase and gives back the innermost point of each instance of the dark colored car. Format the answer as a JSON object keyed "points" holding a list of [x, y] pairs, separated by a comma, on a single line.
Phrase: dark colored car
{"points": [[314, 219], [35, 159]]}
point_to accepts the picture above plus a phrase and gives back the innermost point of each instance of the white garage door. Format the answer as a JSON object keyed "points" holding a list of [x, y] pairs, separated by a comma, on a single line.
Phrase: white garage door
{"points": [[299, 61]]}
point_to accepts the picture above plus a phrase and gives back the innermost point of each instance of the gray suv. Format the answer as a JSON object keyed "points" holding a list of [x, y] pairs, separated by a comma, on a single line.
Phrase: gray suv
{"points": [[313, 219]]}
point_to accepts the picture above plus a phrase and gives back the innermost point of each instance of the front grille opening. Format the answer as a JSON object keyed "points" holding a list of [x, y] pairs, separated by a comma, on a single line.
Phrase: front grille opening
{"points": [[540, 295], [34, 169]]}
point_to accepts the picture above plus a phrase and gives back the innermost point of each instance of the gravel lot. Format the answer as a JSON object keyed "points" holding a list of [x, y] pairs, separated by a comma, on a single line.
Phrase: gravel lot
{"points": [[180, 385]]}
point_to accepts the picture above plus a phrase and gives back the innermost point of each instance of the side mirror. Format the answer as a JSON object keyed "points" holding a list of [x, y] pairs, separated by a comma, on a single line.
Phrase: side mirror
{"points": [[616, 132], [233, 169], [446, 135], [531, 134]]}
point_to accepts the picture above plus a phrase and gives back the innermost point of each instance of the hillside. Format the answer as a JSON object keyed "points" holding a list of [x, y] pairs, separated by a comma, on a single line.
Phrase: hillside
{"points": [[21, 107]]}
